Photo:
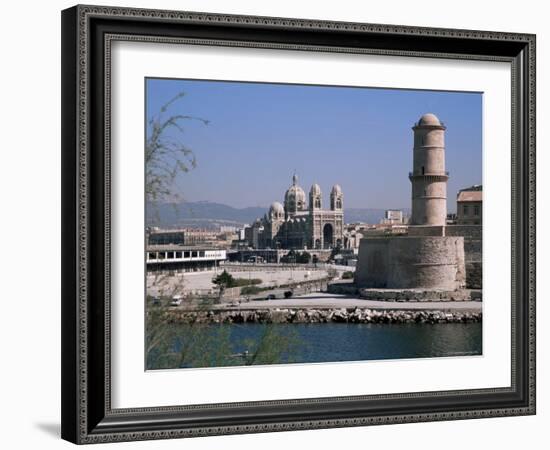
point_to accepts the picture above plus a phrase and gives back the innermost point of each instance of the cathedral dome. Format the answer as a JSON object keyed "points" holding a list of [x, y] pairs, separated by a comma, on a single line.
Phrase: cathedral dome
{"points": [[429, 119], [336, 190], [295, 197], [276, 209]]}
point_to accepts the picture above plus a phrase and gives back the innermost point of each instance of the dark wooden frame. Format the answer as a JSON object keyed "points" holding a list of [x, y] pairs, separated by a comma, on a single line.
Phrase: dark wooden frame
{"points": [[87, 31]]}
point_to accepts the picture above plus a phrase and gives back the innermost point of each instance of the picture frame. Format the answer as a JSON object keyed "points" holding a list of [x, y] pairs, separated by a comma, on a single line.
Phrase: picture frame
{"points": [[87, 35]]}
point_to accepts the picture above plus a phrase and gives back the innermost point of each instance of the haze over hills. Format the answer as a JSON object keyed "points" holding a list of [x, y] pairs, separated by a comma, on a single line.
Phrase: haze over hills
{"points": [[213, 215]]}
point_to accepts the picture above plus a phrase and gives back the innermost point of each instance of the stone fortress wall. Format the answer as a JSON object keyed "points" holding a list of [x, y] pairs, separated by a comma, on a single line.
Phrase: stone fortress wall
{"points": [[473, 252], [473, 247], [411, 261]]}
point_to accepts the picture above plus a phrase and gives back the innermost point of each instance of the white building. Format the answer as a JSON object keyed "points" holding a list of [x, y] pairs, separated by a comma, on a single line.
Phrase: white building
{"points": [[185, 259]]}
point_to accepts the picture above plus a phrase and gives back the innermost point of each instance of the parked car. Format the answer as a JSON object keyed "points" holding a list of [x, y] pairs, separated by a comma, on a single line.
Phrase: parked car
{"points": [[270, 297], [155, 301], [176, 300]]}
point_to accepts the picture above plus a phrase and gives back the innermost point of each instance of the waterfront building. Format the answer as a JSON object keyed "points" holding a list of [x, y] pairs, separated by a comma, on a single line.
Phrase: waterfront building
{"points": [[183, 258]]}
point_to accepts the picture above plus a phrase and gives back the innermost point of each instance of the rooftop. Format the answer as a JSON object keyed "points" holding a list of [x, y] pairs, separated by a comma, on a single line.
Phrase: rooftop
{"points": [[176, 247], [470, 196]]}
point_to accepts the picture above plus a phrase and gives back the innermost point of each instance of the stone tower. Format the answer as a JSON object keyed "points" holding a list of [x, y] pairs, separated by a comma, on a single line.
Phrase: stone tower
{"points": [[429, 178], [315, 200], [336, 198]]}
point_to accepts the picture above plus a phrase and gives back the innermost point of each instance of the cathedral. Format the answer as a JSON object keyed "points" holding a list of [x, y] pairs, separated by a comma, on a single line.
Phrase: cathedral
{"points": [[300, 224]]}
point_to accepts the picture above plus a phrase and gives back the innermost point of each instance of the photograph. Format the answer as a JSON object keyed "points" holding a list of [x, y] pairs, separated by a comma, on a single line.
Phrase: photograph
{"points": [[301, 223]]}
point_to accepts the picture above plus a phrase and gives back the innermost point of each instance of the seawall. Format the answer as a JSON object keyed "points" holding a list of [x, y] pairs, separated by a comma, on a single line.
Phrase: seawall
{"points": [[341, 315]]}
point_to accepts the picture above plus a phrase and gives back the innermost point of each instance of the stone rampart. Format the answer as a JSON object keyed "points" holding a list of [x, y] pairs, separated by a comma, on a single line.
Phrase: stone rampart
{"points": [[411, 262]]}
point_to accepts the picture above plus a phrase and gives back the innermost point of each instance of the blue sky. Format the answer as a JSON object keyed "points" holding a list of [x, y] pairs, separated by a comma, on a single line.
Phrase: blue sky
{"points": [[360, 138]]}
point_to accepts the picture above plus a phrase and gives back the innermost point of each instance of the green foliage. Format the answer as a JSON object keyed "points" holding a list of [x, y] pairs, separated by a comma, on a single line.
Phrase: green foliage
{"points": [[165, 154], [171, 345], [296, 257], [246, 281], [347, 275], [224, 280], [303, 258], [250, 290], [334, 252], [277, 344], [191, 345]]}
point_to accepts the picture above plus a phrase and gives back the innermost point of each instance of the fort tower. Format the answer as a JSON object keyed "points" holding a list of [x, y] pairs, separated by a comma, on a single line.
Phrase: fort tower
{"points": [[429, 178]]}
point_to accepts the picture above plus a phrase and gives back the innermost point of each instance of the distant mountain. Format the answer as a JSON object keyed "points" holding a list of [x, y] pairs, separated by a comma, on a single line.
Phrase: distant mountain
{"points": [[213, 215], [201, 214]]}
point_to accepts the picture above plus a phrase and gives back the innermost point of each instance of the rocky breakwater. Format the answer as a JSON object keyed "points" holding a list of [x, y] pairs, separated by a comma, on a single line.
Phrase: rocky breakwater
{"points": [[340, 315]]}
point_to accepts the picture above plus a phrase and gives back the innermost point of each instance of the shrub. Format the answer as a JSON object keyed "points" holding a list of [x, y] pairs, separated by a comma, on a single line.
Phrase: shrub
{"points": [[250, 290], [246, 282]]}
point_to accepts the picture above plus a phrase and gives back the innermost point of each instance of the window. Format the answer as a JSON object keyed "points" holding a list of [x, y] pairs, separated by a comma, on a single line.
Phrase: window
{"points": [[186, 254], [178, 255], [476, 210], [152, 255], [194, 254], [465, 210], [201, 254], [170, 255]]}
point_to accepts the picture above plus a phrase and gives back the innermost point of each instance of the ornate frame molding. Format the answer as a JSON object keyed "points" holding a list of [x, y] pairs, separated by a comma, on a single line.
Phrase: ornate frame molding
{"points": [[88, 32]]}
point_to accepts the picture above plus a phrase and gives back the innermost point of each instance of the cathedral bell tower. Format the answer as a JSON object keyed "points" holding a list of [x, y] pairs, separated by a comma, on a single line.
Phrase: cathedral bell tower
{"points": [[336, 198], [315, 201]]}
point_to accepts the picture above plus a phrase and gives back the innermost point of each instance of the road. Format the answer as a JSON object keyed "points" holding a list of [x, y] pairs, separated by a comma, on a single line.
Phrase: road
{"points": [[324, 300]]}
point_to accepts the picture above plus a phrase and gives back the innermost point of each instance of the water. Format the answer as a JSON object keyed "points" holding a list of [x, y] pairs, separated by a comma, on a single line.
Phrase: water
{"points": [[236, 344], [360, 342]]}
